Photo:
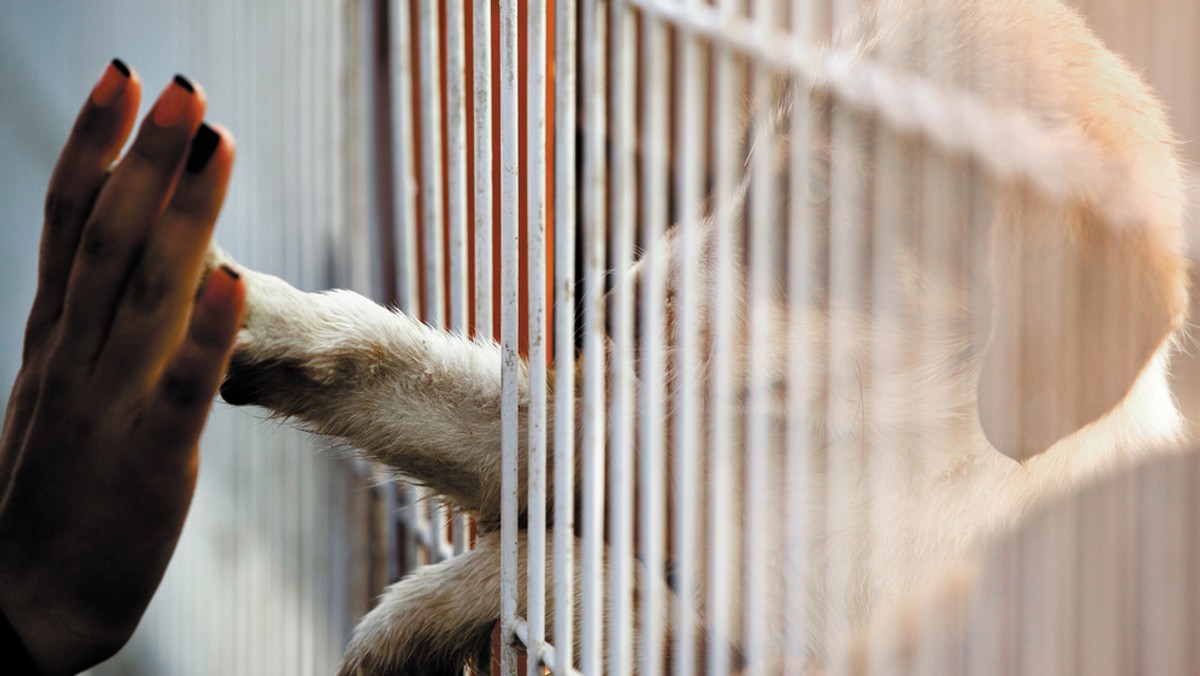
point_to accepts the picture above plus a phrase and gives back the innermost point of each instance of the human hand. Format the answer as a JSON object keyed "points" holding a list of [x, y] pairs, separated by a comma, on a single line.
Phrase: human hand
{"points": [[98, 457]]}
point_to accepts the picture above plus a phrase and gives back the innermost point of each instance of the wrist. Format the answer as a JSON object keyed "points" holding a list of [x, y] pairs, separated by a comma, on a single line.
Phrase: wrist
{"points": [[44, 636]]}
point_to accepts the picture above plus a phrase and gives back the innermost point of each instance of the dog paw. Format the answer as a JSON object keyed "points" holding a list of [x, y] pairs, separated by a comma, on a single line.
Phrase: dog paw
{"points": [[292, 345], [385, 651], [370, 654]]}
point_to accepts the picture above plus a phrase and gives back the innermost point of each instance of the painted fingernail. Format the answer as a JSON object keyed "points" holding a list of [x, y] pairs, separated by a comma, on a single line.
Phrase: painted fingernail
{"points": [[112, 83], [173, 101], [220, 286], [204, 145]]}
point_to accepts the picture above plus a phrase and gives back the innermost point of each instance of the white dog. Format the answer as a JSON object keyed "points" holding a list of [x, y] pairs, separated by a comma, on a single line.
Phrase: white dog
{"points": [[1016, 376]]}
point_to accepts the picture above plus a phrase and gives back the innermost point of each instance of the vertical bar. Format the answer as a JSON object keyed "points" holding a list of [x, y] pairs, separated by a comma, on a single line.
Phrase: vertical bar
{"points": [[406, 241], [405, 178], [535, 113], [895, 202], [802, 264], [652, 485], [595, 186], [431, 161], [759, 300], [510, 331], [849, 275], [687, 439], [621, 553], [481, 34], [722, 549], [1166, 567], [456, 132], [433, 308], [939, 186], [456, 122], [564, 338]]}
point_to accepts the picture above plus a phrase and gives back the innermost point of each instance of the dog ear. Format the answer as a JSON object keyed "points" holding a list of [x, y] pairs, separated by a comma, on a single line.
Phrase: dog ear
{"points": [[1080, 307]]}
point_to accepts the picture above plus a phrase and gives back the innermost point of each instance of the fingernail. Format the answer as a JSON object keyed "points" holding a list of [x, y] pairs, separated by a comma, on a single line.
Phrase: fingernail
{"points": [[173, 101], [220, 286], [112, 83], [204, 145]]}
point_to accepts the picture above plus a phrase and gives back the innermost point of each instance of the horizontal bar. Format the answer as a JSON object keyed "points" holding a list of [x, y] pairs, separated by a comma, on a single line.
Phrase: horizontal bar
{"points": [[543, 654], [1060, 161]]}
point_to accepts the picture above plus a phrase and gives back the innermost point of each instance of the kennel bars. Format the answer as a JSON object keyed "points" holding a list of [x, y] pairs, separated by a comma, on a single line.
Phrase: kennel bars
{"points": [[649, 84]]}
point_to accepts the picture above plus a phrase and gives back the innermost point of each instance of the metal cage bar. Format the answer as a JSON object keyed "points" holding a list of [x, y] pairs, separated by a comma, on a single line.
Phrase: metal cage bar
{"points": [[686, 437], [433, 308], [652, 483], [535, 111], [565, 91], [510, 176], [621, 379], [593, 48]]}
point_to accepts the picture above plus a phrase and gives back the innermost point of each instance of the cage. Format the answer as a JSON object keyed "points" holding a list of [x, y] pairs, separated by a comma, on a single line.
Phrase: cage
{"points": [[513, 161], [687, 502]]}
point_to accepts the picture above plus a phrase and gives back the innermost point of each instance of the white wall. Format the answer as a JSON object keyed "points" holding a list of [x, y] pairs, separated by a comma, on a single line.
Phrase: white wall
{"points": [[273, 567]]}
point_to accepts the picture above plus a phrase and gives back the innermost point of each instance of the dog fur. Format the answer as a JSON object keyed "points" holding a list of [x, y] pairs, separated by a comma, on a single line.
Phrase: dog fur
{"points": [[1041, 365]]}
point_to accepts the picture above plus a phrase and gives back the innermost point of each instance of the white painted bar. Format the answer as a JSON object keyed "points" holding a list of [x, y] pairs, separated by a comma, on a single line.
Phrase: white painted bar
{"points": [[535, 112], [430, 102], [621, 390], [722, 549], [404, 167], [565, 88], [510, 174], [804, 222], [1061, 161], [481, 34], [757, 609], [405, 191], [456, 187], [456, 134], [432, 217], [894, 201], [687, 440], [652, 487], [594, 29], [849, 277]]}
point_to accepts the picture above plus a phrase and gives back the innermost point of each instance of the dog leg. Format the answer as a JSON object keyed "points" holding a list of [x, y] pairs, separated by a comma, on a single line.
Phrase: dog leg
{"points": [[432, 621], [422, 401], [440, 616]]}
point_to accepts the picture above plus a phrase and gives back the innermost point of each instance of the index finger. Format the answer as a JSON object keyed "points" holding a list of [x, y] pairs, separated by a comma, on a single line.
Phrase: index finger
{"points": [[101, 129]]}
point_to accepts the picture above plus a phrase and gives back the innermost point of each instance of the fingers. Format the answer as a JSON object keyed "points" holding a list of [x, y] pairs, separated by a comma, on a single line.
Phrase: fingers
{"points": [[101, 129], [189, 382], [154, 306], [113, 237]]}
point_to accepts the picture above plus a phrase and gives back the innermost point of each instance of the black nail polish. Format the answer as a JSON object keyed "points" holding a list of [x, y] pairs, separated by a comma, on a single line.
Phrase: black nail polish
{"points": [[231, 272], [121, 67], [204, 144], [185, 83]]}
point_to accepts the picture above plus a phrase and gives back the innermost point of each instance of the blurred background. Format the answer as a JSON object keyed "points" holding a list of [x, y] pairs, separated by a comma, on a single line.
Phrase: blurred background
{"points": [[275, 565], [281, 552]]}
